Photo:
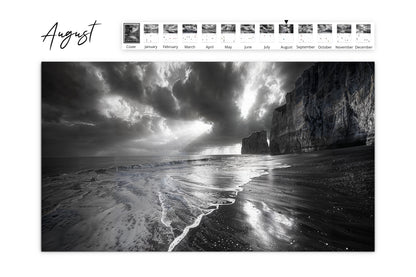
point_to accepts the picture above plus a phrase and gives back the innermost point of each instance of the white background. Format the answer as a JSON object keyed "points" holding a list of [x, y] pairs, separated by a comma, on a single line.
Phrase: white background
{"points": [[22, 24]]}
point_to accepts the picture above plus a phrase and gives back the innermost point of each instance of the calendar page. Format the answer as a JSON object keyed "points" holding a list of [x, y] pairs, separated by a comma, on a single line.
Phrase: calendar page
{"points": [[151, 33], [286, 33], [207, 138], [228, 33], [325, 34], [209, 33], [247, 33], [170, 33], [344, 33], [267, 34], [363, 33], [305, 33], [189, 33]]}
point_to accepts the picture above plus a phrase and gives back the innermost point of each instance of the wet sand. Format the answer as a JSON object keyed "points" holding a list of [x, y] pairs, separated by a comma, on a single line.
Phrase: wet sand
{"points": [[323, 202]]}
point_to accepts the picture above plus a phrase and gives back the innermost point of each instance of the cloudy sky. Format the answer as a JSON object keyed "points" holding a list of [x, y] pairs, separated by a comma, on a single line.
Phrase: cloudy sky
{"points": [[117, 109]]}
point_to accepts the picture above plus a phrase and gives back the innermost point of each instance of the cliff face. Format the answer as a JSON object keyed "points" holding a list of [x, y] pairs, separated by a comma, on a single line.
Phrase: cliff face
{"points": [[332, 105], [256, 143]]}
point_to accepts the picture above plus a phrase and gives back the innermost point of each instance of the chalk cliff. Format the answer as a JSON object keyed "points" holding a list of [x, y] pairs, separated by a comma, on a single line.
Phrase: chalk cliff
{"points": [[256, 143], [332, 105]]}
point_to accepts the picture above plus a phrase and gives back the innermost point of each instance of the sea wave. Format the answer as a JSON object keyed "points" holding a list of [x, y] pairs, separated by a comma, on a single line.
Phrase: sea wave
{"points": [[143, 205], [146, 165]]}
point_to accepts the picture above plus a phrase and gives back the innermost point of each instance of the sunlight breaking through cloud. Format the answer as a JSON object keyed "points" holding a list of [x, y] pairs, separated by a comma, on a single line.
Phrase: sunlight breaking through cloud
{"points": [[223, 150]]}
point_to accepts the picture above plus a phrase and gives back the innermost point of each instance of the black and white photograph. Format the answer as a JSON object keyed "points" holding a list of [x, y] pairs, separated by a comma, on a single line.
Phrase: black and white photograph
{"points": [[247, 29], [227, 28], [207, 156], [324, 28], [151, 28], [209, 28], [267, 28], [344, 28], [286, 28], [131, 32], [305, 28], [189, 28], [170, 28], [363, 28], [283, 152]]}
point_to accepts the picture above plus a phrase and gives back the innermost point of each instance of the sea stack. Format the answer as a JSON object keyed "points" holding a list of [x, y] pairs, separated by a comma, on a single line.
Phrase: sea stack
{"points": [[256, 143], [331, 106]]}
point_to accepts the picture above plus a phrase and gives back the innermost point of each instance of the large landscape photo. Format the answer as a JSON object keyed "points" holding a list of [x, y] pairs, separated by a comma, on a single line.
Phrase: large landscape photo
{"points": [[208, 156]]}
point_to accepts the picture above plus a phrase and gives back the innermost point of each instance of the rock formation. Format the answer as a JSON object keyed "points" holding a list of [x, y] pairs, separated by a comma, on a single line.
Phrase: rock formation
{"points": [[332, 105], [256, 143]]}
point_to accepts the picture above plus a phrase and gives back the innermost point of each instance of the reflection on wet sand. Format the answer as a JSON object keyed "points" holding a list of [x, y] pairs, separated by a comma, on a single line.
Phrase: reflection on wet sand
{"points": [[267, 224], [323, 201]]}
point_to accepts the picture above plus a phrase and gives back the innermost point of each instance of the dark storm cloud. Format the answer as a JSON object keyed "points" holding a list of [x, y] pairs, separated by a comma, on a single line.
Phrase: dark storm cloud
{"points": [[123, 78], [71, 121], [141, 82], [163, 101], [127, 108], [69, 91], [210, 90]]}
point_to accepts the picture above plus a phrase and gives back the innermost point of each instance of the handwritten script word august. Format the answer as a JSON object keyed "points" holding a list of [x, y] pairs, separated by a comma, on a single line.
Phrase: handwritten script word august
{"points": [[65, 37]]}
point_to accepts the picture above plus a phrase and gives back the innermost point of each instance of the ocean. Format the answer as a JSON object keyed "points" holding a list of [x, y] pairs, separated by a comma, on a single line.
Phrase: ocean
{"points": [[138, 203], [317, 201]]}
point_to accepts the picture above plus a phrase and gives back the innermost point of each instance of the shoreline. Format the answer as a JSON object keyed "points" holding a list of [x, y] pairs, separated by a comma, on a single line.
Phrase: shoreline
{"points": [[317, 218], [197, 221]]}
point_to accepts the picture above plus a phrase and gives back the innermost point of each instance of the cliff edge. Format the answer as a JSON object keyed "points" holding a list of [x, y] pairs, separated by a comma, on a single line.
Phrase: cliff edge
{"points": [[331, 106]]}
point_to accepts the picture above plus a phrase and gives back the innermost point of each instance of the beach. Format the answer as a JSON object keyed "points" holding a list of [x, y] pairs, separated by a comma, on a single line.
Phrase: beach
{"points": [[323, 202], [319, 201]]}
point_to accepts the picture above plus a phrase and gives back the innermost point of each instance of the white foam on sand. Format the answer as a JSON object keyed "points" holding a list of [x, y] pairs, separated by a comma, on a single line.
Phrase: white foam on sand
{"points": [[179, 238], [225, 202], [164, 219]]}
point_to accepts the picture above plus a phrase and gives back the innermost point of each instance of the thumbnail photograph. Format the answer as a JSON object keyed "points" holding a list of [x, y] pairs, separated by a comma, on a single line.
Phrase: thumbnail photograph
{"points": [[344, 28], [363, 28], [189, 28], [286, 28], [131, 32], [151, 28], [305, 29], [228, 28], [324, 28], [266, 28], [170, 28], [209, 28], [247, 29]]}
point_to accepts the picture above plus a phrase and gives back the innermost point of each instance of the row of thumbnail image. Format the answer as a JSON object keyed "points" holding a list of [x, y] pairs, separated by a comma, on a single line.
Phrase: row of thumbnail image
{"points": [[132, 30]]}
